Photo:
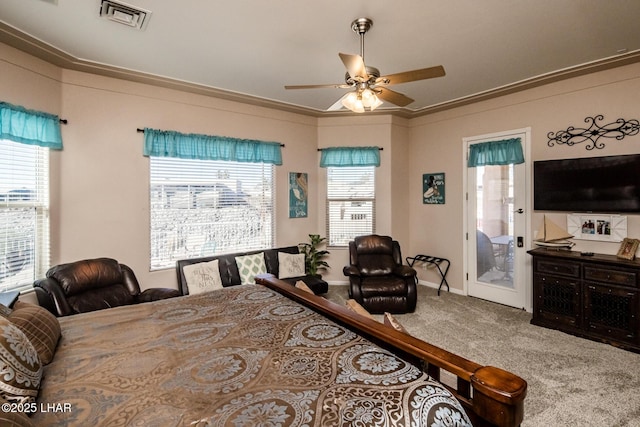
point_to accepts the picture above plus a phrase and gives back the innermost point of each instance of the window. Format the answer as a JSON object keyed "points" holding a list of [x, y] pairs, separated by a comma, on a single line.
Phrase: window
{"points": [[24, 214], [205, 207], [350, 203]]}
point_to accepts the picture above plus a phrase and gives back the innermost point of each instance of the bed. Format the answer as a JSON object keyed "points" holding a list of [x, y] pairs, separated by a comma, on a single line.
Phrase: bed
{"points": [[267, 354]]}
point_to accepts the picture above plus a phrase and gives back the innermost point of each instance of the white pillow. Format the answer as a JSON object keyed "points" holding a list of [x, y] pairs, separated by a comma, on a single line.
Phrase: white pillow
{"points": [[249, 266], [290, 265], [202, 277]]}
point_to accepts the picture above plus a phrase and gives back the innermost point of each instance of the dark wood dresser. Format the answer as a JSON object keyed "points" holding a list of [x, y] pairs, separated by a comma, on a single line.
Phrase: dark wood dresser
{"points": [[596, 297]]}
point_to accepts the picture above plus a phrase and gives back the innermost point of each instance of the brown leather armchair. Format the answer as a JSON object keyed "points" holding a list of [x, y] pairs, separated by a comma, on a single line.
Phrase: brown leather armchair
{"points": [[377, 278], [93, 284]]}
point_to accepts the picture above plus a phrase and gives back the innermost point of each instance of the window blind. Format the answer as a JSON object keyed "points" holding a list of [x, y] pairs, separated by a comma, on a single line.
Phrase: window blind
{"points": [[24, 214], [350, 203], [206, 207]]}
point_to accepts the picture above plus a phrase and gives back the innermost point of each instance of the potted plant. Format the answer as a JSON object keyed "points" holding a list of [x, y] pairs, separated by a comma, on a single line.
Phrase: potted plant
{"points": [[313, 257]]}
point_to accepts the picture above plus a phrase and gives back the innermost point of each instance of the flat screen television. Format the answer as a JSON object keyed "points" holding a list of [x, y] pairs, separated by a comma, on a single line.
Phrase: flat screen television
{"points": [[608, 184]]}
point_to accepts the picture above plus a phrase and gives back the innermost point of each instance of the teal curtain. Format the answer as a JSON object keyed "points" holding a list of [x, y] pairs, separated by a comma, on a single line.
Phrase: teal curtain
{"points": [[504, 152], [29, 127], [159, 143], [350, 156]]}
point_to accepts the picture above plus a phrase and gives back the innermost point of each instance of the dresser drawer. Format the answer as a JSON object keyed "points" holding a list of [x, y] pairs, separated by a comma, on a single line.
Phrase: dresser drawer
{"points": [[570, 269], [606, 274], [557, 301]]}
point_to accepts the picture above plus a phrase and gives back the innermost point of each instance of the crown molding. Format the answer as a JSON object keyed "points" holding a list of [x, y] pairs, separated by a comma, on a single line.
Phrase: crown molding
{"points": [[44, 51]]}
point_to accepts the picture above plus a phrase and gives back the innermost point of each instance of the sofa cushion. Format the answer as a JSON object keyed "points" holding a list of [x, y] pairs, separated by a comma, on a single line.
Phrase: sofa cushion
{"points": [[19, 364], [230, 275], [290, 265], [41, 327], [249, 266], [203, 277], [383, 286], [100, 299], [77, 277], [375, 255]]}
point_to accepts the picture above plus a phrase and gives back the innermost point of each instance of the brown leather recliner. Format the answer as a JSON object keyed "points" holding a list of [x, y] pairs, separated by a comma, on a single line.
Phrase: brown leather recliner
{"points": [[93, 284], [377, 278]]}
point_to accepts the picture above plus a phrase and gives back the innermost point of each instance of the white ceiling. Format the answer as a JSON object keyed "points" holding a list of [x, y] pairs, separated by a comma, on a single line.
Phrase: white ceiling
{"points": [[251, 49]]}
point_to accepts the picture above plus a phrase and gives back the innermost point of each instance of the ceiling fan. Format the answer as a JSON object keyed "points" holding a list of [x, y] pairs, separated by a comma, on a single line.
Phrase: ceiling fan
{"points": [[369, 87]]}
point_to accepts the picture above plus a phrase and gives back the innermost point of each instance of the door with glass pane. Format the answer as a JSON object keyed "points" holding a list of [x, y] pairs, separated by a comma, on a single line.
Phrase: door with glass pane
{"points": [[496, 226]]}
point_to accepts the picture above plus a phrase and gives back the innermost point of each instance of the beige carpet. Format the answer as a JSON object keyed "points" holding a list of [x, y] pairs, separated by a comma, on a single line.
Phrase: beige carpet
{"points": [[571, 381]]}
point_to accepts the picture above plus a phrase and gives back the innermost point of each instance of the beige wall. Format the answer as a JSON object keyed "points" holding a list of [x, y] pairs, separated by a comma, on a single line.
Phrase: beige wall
{"points": [[100, 179], [100, 202], [436, 146], [392, 177]]}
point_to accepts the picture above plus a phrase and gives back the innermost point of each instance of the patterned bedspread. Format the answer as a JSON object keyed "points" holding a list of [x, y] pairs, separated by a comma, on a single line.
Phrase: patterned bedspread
{"points": [[241, 356]]}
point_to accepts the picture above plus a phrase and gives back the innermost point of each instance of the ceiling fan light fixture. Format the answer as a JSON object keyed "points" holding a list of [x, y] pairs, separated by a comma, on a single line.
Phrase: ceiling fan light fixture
{"points": [[359, 101], [376, 103], [353, 101], [368, 97]]}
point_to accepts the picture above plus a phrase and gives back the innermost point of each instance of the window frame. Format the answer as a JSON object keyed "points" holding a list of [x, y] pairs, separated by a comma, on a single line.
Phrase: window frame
{"points": [[37, 250], [354, 200], [209, 174]]}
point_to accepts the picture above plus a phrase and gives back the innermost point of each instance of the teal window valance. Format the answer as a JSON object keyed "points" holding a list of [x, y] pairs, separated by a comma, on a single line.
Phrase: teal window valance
{"points": [[349, 156], [504, 152], [30, 127], [159, 143]]}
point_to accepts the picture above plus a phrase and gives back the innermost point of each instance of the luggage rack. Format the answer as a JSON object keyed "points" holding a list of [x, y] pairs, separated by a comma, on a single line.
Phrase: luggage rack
{"points": [[437, 262]]}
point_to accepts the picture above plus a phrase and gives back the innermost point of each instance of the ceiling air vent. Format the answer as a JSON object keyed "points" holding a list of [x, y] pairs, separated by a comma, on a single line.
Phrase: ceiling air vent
{"points": [[125, 14]]}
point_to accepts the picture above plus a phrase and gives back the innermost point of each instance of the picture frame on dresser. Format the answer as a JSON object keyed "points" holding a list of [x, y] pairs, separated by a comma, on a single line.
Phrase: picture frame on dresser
{"points": [[628, 248], [604, 228]]}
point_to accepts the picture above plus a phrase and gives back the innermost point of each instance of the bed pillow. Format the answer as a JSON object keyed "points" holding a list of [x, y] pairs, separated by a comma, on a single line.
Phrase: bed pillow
{"points": [[391, 321], [39, 325], [19, 364], [290, 265], [353, 305], [303, 287], [202, 277], [249, 266]]}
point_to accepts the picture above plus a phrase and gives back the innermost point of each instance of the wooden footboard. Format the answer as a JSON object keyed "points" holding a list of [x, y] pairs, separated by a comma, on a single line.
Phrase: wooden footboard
{"points": [[491, 396]]}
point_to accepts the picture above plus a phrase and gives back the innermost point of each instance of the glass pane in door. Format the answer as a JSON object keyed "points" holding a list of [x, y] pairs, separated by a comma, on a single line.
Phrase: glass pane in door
{"points": [[495, 224]]}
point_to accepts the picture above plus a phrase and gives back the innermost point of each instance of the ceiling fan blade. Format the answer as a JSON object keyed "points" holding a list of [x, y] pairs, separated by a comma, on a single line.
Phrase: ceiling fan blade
{"points": [[393, 97], [335, 86], [412, 76], [355, 66]]}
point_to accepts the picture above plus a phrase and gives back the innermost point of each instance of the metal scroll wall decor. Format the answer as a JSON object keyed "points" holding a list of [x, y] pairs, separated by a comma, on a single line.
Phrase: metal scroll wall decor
{"points": [[618, 130]]}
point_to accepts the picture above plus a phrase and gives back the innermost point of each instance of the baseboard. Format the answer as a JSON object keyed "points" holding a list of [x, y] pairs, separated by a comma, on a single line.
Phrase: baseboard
{"points": [[444, 287]]}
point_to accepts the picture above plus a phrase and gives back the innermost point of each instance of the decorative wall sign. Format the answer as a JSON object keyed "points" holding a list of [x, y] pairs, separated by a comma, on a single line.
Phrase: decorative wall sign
{"points": [[607, 228], [433, 188], [618, 130], [298, 193]]}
